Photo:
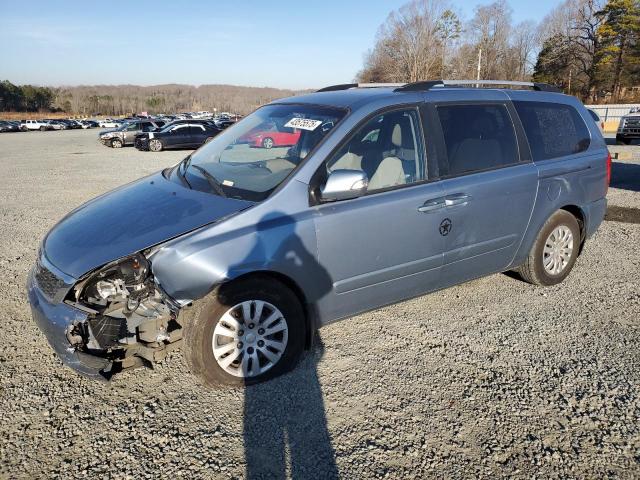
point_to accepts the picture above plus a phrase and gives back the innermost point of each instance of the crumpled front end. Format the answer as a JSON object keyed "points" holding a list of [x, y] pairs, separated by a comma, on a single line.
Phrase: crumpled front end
{"points": [[114, 318]]}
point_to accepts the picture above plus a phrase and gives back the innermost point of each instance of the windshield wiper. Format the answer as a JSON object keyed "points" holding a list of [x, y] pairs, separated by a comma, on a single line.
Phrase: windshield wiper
{"points": [[182, 169], [213, 181]]}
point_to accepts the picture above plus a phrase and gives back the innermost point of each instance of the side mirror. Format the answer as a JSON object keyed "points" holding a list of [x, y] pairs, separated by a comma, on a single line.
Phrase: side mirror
{"points": [[343, 185]]}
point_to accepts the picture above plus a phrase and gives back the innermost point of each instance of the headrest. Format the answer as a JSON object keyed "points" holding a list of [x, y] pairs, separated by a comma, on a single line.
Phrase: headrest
{"points": [[396, 136], [484, 126]]}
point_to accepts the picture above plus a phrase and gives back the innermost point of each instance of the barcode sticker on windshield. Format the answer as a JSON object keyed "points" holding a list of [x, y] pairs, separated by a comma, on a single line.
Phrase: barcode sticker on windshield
{"points": [[303, 123]]}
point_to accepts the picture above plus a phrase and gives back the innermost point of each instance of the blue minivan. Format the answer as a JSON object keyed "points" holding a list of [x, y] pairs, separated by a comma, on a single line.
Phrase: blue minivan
{"points": [[240, 253]]}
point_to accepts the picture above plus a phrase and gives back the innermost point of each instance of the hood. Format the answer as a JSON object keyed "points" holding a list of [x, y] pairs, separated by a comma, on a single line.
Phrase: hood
{"points": [[129, 219]]}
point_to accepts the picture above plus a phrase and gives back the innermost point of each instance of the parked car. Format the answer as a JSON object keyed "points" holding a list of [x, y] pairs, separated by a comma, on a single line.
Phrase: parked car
{"points": [[73, 124], [389, 193], [628, 128], [223, 123], [57, 124], [6, 126], [89, 124], [35, 125], [126, 134], [110, 123], [180, 134], [269, 136]]}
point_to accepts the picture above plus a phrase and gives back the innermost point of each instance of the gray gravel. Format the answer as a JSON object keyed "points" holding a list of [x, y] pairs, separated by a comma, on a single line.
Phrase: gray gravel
{"points": [[491, 378]]}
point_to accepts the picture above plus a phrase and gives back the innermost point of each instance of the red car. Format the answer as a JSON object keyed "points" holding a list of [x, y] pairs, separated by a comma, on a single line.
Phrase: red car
{"points": [[269, 137]]}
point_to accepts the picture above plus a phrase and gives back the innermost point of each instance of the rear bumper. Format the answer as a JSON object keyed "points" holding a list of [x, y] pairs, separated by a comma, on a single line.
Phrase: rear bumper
{"points": [[55, 321], [595, 213]]}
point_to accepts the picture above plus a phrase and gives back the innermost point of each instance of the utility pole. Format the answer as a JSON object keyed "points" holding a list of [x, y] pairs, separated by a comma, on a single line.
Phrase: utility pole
{"points": [[479, 64]]}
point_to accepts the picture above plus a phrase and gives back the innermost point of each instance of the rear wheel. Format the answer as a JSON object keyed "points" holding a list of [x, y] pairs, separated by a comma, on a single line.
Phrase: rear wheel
{"points": [[155, 145], [42, 129], [245, 332], [554, 252], [267, 142], [116, 143]]}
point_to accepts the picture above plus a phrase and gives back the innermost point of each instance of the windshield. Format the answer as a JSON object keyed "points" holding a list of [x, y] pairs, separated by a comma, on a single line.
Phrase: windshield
{"points": [[251, 158]]}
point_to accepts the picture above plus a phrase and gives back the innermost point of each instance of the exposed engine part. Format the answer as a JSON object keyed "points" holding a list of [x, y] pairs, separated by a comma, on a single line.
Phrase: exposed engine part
{"points": [[130, 316]]}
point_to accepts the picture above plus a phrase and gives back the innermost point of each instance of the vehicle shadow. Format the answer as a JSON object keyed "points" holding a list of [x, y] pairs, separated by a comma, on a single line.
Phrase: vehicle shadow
{"points": [[625, 176], [284, 418], [285, 426]]}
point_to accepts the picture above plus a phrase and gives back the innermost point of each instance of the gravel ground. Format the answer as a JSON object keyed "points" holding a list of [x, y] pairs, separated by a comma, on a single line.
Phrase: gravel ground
{"points": [[491, 378]]}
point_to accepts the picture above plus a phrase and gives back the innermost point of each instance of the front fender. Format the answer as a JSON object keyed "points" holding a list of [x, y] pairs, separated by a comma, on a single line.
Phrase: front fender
{"points": [[190, 267]]}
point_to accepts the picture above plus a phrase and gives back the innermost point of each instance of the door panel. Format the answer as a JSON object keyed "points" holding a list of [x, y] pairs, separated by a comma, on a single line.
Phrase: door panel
{"points": [[491, 190], [487, 229], [379, 249]]}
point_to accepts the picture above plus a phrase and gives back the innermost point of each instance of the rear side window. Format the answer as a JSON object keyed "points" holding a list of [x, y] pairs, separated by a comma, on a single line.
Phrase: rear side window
{"points": [[553, 129], [477, 137]]}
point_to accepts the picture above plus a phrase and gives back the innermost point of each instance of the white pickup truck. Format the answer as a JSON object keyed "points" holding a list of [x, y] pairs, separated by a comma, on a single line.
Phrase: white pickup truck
{"points": [[35, 125]]}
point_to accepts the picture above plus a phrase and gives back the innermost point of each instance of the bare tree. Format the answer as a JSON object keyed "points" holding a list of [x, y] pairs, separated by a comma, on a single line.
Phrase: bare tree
{"points": [[524, 45], [489, 30], [408, 44], [449, 29]]}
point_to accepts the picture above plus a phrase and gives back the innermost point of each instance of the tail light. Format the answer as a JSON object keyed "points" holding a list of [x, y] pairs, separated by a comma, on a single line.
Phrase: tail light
{"points": [[608, 170]]}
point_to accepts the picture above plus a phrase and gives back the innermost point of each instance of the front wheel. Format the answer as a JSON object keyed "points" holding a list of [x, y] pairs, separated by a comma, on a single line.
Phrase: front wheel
{"points": [[155, 145], [554, 252], [245, 332], [116, 143], [267, 143]]}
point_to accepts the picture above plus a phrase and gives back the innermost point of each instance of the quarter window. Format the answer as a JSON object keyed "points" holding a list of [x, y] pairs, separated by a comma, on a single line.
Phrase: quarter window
{"points": [[388, 148], [477, 137], [553, 129]]}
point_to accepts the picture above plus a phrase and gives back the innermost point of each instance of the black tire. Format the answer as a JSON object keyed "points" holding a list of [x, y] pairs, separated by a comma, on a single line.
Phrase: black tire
{"points": [[200, 321], [155, 145], [533, 270], [116, 143], [267, 143], [42, 129]]}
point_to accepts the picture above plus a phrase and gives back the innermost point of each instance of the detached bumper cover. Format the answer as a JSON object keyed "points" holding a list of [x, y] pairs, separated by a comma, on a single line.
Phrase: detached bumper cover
{"points": [[55, 320]]}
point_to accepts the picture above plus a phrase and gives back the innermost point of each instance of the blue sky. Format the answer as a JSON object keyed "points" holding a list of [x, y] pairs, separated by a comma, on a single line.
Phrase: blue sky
{"points": [[286, 44]]}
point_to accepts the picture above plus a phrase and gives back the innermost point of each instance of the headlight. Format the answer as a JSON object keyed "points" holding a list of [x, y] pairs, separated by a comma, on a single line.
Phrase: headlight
{"points": [[127, 281], [106, 135], [125, 307]]}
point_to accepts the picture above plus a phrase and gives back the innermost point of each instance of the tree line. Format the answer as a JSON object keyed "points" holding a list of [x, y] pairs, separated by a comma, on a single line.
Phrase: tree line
{"points": [[127, 99], [589, 48], [25, 98]]}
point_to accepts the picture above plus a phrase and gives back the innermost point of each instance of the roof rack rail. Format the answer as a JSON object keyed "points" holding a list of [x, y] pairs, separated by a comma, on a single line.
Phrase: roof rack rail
{"points": [[429, 84], [347, 86]]}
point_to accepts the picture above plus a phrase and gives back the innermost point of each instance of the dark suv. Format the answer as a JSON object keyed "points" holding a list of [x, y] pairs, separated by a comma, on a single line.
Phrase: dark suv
{"points": [[390, 192], [629, 128]]}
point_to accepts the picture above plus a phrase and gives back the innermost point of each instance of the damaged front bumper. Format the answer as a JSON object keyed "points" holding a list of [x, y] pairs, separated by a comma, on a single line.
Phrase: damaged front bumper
{"points": [[56, 321], [94, 345]]}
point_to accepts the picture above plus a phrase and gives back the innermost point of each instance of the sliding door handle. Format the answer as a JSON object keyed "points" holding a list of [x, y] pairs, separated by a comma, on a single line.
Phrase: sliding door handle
{"points": [[456, 199], [432, 205]]}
